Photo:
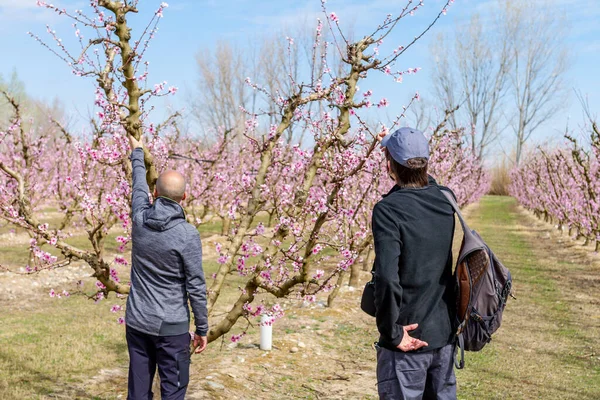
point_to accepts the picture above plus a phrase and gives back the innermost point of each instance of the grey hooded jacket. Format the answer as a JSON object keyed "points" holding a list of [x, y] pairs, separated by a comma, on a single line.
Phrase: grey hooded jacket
{"points": [[166, 267]]}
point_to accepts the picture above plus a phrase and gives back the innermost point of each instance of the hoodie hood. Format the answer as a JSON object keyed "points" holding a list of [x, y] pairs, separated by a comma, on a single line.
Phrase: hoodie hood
{"points": [[164, 214]]}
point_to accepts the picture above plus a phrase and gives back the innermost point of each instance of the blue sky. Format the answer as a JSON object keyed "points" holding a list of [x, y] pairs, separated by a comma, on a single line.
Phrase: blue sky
{"points": [[189, 26]]}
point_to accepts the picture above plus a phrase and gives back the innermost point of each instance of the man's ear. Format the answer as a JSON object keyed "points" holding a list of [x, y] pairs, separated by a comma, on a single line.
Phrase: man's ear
{"points": [[155, 194], [184, 196]]}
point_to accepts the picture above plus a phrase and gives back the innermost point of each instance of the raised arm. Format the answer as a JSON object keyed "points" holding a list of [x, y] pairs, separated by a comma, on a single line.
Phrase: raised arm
{"points": [[139, 187]]}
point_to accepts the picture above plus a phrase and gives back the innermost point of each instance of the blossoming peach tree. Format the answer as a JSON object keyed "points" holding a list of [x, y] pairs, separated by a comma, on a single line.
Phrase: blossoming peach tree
{"points": [[563, 185], [318, 198]]}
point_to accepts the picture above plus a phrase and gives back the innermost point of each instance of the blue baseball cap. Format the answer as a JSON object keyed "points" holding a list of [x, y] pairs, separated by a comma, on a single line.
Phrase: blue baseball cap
{"points": [[406, 143]]}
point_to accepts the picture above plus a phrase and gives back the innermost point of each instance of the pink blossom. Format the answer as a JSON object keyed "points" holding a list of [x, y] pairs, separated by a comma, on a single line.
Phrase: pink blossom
{"points": [[317, 249], [260, 229], [265, 275], [121, 239], [237, 338], [310, 298], [113, 273], [99, 297], [121, 260]]}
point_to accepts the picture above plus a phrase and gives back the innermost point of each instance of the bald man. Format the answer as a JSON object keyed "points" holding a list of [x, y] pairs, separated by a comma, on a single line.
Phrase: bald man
{"points": [[166, 273]]}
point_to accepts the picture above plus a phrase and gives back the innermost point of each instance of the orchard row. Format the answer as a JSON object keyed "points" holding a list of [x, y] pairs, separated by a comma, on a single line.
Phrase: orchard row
{"points": [[563, 185]]}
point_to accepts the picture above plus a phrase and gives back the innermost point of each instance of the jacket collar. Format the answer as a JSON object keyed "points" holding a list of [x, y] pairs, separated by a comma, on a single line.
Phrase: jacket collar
{"points": [[392, 190], [430, 182]]}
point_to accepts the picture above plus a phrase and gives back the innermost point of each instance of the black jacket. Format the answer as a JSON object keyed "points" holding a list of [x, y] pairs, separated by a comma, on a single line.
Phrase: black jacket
{"points": [[413, 231]]}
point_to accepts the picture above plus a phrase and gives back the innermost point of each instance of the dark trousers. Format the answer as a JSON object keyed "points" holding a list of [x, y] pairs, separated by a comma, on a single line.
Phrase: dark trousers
{"points": [[427, 375], [172, 356]]}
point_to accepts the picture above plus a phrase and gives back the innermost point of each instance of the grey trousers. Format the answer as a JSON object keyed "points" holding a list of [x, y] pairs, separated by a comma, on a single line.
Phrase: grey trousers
{"points": [[415, 376]]}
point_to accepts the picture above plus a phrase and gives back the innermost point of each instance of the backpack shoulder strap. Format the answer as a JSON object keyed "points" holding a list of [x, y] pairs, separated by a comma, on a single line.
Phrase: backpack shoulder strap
{"points": [[454, 205]]}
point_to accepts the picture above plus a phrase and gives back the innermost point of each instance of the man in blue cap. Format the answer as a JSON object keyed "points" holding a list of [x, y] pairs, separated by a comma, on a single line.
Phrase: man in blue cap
{"points": [[413, 227]]}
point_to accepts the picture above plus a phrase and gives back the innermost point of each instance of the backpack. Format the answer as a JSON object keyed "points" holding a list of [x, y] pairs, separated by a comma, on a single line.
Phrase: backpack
{"points": [[483, 285]]}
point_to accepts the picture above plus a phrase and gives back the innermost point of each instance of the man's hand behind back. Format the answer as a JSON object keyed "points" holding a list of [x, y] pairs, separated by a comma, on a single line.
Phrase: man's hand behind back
{"points": [[410, 343]]}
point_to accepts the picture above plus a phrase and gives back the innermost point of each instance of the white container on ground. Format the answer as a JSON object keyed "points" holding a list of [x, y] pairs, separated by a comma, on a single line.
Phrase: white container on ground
{"points": [[266, 332]]}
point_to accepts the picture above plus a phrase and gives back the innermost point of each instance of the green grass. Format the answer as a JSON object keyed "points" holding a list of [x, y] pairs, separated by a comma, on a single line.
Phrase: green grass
{"points": [[17, 255], [53, 348], [538, 351]]}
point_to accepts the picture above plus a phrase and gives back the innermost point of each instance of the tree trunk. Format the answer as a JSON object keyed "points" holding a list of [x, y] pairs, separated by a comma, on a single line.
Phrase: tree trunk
{"points": [[270, 221], [368, 260], [225, 226], [336, 289], [354, 274]]}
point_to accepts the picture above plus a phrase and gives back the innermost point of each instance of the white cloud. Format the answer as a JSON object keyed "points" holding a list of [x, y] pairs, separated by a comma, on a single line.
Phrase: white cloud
{"points": [[16, 5], [590, 48], [18, 11], [27, 14]]}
